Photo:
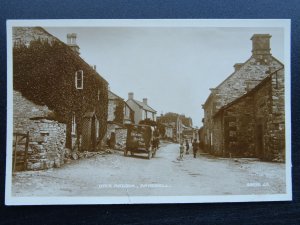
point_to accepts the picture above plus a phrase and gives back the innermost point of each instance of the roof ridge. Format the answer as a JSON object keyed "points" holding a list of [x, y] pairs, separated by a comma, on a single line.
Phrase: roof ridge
{"points": [[142, 104]]}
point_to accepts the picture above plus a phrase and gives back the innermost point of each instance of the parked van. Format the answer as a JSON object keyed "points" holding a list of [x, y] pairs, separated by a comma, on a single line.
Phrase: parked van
{"points": [[139, 140]]}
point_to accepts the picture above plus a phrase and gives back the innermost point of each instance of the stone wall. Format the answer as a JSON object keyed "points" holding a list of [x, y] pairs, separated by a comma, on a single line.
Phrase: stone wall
{"points": [[253, 125], [208, 124], [241, 81], [239, 128], [121, 134], [263, 114], [47, 137], [271, 113], [121, 137], [217, 136], [278, 116]]}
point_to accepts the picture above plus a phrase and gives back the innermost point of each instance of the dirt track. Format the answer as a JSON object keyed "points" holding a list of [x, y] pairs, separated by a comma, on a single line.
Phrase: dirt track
{"points": [[116, 175]]}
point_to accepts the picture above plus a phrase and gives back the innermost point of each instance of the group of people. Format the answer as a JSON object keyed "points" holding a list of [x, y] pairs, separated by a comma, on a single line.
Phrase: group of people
{"points": [[195, 146]]}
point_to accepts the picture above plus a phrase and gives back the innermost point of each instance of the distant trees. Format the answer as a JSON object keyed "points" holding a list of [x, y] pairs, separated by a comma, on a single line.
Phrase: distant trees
{"points": [[160, 128], [119, 112], [172, 117], [148, 122]]}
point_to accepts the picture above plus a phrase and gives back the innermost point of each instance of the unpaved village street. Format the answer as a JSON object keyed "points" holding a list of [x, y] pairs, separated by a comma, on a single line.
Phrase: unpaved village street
{"points": [[117, 175]]}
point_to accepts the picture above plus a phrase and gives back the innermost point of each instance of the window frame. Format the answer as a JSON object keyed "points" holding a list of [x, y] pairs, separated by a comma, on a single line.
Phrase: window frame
{"points": [[73, 124], [78, 75]]}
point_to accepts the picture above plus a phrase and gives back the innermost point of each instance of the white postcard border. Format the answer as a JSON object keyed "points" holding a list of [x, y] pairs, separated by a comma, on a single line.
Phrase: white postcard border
{"points": [[280, 23]]}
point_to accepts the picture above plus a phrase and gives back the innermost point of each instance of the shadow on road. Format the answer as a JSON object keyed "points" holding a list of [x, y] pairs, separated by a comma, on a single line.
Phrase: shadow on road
{"points": [[137, 156]]}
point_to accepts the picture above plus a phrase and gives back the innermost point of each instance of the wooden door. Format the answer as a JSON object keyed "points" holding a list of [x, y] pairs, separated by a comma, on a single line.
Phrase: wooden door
{"points": [[260, 140]]}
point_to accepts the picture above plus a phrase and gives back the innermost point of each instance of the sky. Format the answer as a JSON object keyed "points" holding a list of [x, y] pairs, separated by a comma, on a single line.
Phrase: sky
{"points": [[173, 67]]}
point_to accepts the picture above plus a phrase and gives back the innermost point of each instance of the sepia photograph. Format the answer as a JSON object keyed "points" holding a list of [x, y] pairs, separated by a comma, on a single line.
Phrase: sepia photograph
{"points": [[148, 111]]}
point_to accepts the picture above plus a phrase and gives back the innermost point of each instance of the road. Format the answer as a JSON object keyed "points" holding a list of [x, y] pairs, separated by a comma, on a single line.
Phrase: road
{"points": [[165, 175]]}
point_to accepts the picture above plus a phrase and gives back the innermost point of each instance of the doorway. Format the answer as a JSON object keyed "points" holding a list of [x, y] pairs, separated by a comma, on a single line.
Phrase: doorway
{"points": [[260, 140]]}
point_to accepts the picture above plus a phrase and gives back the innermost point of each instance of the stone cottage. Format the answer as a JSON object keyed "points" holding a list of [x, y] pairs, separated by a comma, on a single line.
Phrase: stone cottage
{"points": [[59, 100], [244, 115], [119, 114], [141, 110]]}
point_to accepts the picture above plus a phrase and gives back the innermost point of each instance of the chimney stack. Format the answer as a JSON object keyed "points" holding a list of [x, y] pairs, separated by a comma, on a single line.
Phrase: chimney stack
{"points": [[145, 101], [237, 66], [261, 45], [130, 95], [71, 42]]}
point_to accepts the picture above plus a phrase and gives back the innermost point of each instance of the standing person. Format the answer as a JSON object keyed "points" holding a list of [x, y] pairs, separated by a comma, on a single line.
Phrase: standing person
{"points": [[181, 148], [195, 147], [187, 146]]}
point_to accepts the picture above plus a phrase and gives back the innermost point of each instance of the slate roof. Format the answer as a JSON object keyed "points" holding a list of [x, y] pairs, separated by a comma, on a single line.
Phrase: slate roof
{"points": [[250, 92], [113, 96], [144, 106]]}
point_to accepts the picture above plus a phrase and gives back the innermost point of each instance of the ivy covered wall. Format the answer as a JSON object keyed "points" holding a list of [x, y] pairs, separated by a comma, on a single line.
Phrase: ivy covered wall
{"points": [[44, 72]]}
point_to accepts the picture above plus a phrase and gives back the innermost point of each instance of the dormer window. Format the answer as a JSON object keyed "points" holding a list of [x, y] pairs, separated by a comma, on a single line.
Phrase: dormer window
{"points": [[79, 79]]}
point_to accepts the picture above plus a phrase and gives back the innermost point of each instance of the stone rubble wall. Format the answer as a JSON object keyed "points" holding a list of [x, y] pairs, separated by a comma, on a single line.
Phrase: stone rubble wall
{"points": [[208, 125], [121, 137], [47, 137], [238, 123], [46, 146], [235, 131], [121, 134], [263, 116], [277, 133], [217, 138]]}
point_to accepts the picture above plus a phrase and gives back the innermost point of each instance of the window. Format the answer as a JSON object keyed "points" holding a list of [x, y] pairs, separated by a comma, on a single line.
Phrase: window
{"points": [[97, 128], [126, 111], [73, 124], [98, 95], [79, 79]]}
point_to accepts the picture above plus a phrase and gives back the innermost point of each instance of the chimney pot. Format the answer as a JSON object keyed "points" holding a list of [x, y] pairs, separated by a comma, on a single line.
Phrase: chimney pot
{"points": [[130, 95], [71, 42], [145, 101]]}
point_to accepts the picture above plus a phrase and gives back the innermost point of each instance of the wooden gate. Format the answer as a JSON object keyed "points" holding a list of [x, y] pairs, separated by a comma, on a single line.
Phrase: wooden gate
{"points": [[20, 151]]}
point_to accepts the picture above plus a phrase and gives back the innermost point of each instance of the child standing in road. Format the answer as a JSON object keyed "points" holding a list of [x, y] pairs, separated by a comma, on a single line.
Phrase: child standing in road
{"points": [[187, 146], [181, 148], [195, 147]]}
